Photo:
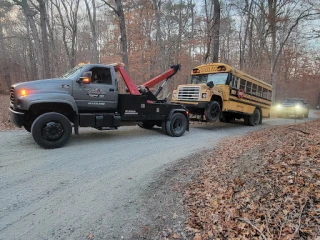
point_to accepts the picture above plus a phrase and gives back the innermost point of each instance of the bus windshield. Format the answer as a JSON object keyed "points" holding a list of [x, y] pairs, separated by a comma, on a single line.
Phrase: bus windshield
{"points": [[216, 78]]}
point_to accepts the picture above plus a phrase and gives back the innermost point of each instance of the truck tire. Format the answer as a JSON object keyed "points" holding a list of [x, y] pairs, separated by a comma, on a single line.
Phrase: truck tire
{"points": [[177, 125], [212, 111], [51, 130], [146, 125], [254, 119]]}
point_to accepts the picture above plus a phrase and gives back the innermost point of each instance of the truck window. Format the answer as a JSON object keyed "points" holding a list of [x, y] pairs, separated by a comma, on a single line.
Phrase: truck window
{"points": [[101, 76]]}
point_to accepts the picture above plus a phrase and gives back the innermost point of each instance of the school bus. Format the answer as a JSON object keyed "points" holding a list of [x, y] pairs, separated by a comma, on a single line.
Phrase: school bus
{"points": [[220, 92]]}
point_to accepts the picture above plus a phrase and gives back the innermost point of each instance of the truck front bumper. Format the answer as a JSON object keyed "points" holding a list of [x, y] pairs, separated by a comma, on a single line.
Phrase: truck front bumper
{"points": [[16, 117], [192, 105]]}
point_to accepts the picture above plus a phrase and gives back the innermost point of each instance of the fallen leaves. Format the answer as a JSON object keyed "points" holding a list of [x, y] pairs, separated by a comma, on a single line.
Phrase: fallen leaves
{"points": [[264, 185], [5, 123]]}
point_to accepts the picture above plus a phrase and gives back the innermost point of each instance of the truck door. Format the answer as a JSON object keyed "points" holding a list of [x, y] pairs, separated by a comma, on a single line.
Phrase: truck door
{"points": [[101, 94]]}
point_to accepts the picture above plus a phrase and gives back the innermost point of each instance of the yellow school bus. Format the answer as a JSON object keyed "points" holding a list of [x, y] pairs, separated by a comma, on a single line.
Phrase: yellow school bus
{"points": [[220, 92]]}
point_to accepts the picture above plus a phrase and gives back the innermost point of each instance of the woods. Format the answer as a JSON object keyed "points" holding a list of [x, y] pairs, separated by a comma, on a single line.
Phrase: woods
{"points": [[274, 40]]}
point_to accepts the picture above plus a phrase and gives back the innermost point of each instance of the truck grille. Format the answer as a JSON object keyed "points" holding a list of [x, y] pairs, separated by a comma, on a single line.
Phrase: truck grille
{"points": [[189, 93], [12, 95]]}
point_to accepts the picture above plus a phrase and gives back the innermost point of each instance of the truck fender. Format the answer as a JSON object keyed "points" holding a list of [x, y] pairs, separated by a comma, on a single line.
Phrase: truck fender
{"points": [[54, 98], [183, 111], [50, 98]]}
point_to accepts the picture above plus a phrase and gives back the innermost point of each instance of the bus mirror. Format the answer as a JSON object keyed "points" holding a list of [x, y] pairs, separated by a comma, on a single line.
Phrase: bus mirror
{"points": [[210, 84]]}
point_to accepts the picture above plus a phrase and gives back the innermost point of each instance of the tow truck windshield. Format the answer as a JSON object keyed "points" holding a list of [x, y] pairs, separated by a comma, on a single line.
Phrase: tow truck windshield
{"points": [[73, 72], [216, 78]]}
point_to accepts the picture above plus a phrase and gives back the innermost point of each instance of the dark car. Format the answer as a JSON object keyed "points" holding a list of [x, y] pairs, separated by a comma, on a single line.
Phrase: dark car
{"points": [[296, 107]]}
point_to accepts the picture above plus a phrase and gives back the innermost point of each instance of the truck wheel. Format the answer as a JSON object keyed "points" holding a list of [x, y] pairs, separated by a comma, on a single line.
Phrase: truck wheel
{"points": [[146, 125], [51, 130], [254, 119], [212, 111], [177, 125]]}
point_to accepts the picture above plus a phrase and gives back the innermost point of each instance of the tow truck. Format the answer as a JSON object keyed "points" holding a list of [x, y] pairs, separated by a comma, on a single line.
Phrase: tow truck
{"points": [[88, 96]]}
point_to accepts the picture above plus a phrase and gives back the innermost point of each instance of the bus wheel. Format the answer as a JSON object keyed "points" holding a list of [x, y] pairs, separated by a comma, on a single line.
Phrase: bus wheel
{"points": [[254, 119], [212, 111]]}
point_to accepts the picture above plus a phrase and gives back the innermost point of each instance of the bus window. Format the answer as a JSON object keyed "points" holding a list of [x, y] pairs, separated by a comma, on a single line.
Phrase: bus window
{"points": [[248, 87], [259, 91], [234, 82], [237, 80], [254, 89], [269, 95], [242, 84], [265, 93]]}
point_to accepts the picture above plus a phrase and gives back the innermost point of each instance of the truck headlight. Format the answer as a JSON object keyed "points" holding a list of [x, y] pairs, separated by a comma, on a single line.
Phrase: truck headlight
{"points": [[279, 106], [298, 106], [174, 95], [204, 95]]}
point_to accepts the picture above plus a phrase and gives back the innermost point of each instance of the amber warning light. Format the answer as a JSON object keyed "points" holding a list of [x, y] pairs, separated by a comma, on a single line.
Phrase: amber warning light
{"points": [[23, 92], [196, 70], [86, 80]]}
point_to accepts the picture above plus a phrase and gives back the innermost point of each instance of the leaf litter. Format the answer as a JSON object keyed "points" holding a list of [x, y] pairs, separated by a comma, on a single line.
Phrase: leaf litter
{"points": [[264, 185]]}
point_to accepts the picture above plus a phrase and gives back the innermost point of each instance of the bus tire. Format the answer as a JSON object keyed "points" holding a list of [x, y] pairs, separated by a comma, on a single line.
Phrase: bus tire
{"points": [[254, 119], [51, 130], [212, 111]]}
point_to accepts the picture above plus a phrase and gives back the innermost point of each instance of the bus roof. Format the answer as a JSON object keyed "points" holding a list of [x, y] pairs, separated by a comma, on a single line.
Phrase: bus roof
{"points": [[222, 67]]}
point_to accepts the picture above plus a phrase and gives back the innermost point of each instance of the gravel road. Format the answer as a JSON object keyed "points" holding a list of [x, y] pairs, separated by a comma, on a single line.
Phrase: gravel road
{"points": [[92, 187]]}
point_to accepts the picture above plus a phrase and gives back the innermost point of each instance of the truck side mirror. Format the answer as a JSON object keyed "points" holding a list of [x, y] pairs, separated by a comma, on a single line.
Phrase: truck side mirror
{"points": [[85, 78]]}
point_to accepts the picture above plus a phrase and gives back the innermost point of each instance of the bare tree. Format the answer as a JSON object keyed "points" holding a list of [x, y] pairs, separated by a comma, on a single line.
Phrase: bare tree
{"points": [[29, 14], [44, 36], [70, 8], [118, 10], [216, 30], [212, 12], [93, 20], [290, 14]]}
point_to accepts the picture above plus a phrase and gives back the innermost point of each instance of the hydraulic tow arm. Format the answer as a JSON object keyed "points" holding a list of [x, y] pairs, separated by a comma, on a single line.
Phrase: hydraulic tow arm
{"points": [[133, 89]]}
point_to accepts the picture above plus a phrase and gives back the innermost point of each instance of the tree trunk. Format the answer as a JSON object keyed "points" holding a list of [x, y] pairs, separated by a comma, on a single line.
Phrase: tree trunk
{"points": [[216, 31], [272, 5], [44, 36], [53, 45], [93, 21], [33, 61], [123, 33], [30, 17]]}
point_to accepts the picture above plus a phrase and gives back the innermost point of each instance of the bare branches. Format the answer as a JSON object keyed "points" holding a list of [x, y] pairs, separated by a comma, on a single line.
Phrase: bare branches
{"points": [[257, 229], [110, 6]]}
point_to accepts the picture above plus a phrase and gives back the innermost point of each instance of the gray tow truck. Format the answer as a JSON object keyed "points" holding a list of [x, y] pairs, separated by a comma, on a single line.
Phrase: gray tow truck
{"points": [[88, 96]]}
